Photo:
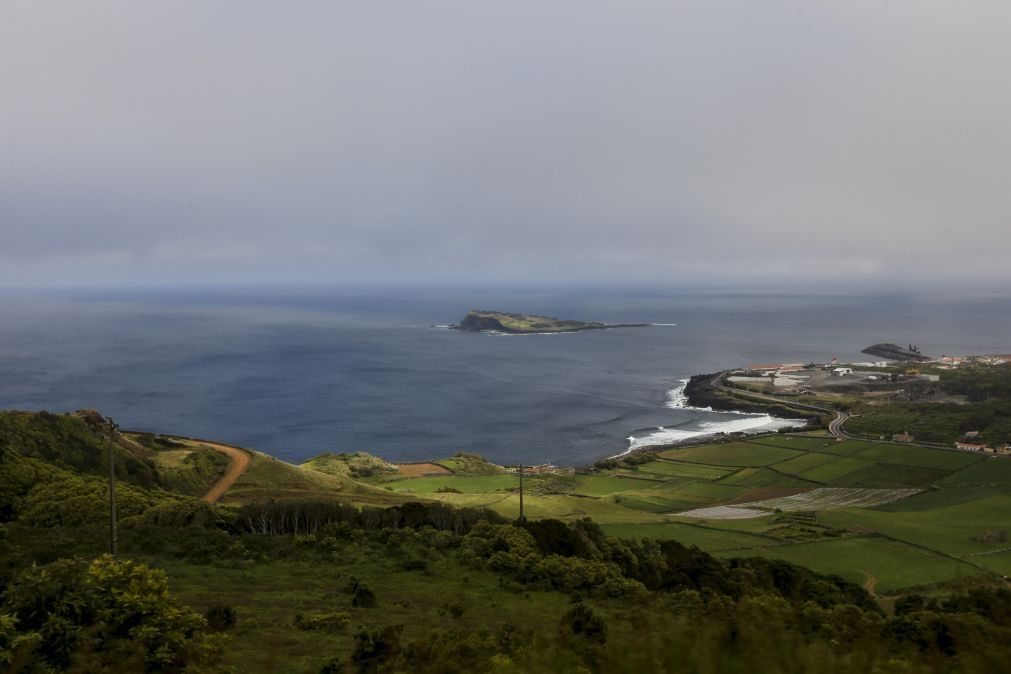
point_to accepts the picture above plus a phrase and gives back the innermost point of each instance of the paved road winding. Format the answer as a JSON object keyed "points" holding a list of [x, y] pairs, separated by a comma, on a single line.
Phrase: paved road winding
{"points": [[835, 427]]}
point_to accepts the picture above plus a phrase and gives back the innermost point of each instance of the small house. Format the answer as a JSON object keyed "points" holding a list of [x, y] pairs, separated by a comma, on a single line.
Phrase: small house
{"points": [[969, 446], [842, 371], [903, 437]]}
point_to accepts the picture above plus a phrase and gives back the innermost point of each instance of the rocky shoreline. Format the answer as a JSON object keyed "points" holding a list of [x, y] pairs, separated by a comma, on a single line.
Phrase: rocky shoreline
{"points": [[700, 393]]}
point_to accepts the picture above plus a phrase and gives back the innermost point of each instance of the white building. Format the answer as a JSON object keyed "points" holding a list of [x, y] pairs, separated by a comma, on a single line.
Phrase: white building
{"points": [[842, 371]]}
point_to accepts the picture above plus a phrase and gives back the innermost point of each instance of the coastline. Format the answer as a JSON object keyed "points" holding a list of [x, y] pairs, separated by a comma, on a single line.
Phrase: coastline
{"points": [[695, 393]]}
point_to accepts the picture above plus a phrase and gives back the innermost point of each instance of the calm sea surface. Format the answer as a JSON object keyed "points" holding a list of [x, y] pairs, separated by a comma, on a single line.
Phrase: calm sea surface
{"points": [[295, 373]]}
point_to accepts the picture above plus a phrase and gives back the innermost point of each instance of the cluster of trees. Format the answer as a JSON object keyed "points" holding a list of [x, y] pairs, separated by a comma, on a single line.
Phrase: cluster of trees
{"points": [[979, 383], [320, 517], [53, 472], [108, 615]]}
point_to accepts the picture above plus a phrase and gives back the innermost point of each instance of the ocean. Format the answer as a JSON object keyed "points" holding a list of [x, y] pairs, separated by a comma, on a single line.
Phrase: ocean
{"points": [[296, 372]]}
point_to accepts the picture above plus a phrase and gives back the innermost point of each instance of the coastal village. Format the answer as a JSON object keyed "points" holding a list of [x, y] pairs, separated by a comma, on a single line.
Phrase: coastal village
{"points": [[907, 374]]}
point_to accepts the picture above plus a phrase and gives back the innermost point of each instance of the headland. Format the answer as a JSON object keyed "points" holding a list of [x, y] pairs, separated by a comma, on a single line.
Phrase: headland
{"points": [[524, 324]]}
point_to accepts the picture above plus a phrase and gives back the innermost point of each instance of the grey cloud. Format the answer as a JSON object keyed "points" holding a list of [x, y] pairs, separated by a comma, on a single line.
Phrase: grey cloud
{"points": [[651, 141]]}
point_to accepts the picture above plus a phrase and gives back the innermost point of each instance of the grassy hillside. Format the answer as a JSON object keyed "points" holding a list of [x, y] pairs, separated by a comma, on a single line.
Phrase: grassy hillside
{"points": [[307, 569]]}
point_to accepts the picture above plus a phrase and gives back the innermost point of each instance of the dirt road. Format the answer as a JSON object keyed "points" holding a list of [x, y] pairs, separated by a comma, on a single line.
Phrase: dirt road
{"points": [[240, 462]]}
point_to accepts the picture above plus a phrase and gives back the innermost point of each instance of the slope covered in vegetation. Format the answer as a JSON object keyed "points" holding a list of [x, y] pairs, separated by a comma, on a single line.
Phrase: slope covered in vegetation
{"points": [[294, 577]]}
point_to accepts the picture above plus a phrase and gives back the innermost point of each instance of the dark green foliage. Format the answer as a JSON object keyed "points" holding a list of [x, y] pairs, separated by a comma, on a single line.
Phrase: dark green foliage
{"points": [[201, 469], [332, 665], [375, 647], [220, 617], [75, 442], [362, 596], [53, 471], [322, 517], [454, 609], [106, 616], [183, 513], [329, 621], [583, 623]]}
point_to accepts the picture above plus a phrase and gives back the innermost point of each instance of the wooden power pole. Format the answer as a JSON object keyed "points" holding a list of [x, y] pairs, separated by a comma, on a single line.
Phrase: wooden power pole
{"points": [[521, 492], [112, 489]]}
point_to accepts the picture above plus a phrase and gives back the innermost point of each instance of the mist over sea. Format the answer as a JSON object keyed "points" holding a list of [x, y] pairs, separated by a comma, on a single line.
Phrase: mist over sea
{"points": [[299, 372]]}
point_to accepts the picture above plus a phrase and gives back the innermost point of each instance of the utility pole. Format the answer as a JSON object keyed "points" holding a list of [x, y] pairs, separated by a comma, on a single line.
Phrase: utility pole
{"points": [[521, 493], [112, 489]]}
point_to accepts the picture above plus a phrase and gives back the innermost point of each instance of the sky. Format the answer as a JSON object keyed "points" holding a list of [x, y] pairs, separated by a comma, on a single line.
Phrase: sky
{"points": [[665, 142]]}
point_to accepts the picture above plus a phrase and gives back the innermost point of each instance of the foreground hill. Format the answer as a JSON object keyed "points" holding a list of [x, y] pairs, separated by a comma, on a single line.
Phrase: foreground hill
{"points": [[298, 572]]}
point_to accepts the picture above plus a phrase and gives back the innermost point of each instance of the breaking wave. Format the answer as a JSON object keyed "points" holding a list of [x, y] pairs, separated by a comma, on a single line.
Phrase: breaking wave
{"points": [[760, 423]]}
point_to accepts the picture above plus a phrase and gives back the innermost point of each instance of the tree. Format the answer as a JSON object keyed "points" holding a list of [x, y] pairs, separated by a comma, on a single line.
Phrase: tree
{"points": [[107, 614]]}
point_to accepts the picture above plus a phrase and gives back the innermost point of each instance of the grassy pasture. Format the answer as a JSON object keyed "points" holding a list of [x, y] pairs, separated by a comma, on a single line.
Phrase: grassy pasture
{"points": [[832, 472], [847, 447], [266, 639], [804, 462], [924, 457], [711, 491], [704, 537], [995, 470], [894, 565], [684, 469], [763, 477], [483, 484], [602, 485], [270, 478], [956, 529], [741, 454], [999, 563], [890, 475], [793, 442]]}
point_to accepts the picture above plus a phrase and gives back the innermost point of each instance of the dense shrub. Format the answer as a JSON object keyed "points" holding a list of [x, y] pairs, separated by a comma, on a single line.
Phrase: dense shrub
{"points": [[322, 621], [104, 616]]}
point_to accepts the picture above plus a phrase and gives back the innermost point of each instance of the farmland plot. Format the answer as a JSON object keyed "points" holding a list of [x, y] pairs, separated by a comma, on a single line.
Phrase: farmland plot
{"points": [[828, 498]]}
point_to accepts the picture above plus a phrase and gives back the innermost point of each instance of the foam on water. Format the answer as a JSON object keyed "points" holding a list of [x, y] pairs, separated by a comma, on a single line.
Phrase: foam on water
{"points": [[677, 399], [760, 423]]}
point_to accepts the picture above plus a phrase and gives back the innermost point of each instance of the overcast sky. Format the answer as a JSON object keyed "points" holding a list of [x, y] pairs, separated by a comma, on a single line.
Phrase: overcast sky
{"points": [[576, 140]]}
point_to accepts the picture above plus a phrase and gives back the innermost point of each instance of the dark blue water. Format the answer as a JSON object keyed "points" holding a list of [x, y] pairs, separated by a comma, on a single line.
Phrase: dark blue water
{"points": [[298, 372]]}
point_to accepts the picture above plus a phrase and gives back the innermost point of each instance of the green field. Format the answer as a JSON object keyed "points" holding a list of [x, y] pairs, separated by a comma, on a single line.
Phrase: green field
{"points": [[847, 447], [892, 564], [885, 475], [763, 477], [740, 454], [804, 462], [668, 468], [990, 471], [921, 456], [794, 442], [964, 505], [707, 538], [831, 472], [480, 485], [602, 485], [958, 528]]}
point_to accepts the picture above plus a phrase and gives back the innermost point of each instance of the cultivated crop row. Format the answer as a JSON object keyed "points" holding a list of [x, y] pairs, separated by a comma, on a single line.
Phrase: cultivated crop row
{"points": [[826, 498]]}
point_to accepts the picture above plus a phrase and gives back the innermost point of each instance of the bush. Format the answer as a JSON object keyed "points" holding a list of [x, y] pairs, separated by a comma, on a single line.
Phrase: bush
{"points": [[376, 646], [362, 595], [220, 617], [332, 665], [322, 621], [105, 616]]}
